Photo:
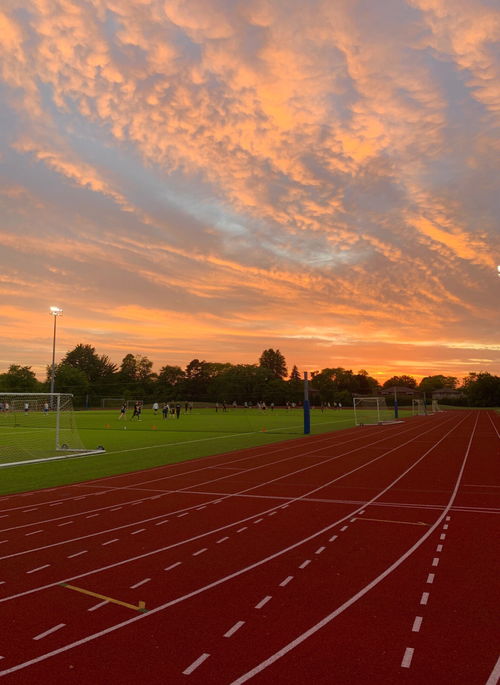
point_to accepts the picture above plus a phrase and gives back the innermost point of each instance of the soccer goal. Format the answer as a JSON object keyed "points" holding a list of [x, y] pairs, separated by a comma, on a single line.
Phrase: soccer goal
{"points": [[435, 407], [418, 408], [113, 402], [372, 410], [37, 427]]}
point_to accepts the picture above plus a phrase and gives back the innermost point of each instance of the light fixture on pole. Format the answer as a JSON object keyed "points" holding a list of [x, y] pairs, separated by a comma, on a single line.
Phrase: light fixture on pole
{"points": [[55, 311]]}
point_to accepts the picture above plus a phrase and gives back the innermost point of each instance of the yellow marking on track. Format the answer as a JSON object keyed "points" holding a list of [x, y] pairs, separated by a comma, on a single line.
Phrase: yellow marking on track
{"points": [[141, 606], [408, 523]]}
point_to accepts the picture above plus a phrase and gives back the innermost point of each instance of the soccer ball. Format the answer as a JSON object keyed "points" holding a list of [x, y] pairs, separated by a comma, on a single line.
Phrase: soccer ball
{"points": [[124, 428]]}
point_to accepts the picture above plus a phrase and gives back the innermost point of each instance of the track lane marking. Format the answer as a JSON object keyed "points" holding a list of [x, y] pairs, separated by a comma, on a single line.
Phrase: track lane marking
{"points": [[407, 657], [236, 627], [49, 631], [195, 664], [263, 601]]}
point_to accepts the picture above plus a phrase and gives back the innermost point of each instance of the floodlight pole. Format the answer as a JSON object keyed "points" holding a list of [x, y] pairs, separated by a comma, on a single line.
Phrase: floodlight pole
{"points": [[307, 409], [395, 403], [55, 311]]}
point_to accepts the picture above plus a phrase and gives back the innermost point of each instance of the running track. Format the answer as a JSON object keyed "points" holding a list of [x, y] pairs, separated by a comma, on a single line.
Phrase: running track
{"points": [[364, 556]]}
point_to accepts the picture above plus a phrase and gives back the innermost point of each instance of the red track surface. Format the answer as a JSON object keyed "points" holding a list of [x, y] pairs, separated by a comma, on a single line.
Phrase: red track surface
{"points": [[363, 556]]}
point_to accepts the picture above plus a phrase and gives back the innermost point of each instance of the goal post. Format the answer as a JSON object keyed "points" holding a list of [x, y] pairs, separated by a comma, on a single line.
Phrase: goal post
{"points": [[418, 408], [371, 410], [38, 427]]}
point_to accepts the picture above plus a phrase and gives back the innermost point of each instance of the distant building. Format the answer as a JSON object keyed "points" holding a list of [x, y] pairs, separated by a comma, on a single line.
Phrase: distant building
{"points": [[399, 390], [447, 394]]}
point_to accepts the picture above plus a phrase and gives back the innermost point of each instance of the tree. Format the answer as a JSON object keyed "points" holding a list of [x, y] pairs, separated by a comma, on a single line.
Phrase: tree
{"points": [[170, 379], [430, 383], [482, 389], [71, 380], [95, 367], [275, 362], [19, 379], [406, 381]]}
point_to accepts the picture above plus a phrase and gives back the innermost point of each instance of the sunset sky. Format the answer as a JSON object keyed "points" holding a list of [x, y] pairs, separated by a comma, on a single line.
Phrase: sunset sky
{"points": [[210, 178]]}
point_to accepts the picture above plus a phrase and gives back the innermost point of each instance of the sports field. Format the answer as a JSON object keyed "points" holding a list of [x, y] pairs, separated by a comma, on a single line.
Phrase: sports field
{"points": [[131, 444], [366, 555]]}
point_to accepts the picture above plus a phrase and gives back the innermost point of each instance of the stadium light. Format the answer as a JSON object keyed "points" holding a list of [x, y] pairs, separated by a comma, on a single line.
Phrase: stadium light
{"points": [[498, 269], [55, 312]]}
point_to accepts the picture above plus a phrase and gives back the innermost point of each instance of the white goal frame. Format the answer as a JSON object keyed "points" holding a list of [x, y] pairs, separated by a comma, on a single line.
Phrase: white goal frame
{"points": [[378, 403], [46, 402]]}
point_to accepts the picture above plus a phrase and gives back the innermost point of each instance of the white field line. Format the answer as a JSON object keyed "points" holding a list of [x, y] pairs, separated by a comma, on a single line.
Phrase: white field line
{"points": [[327, 619], [225, 527], [240, 572], [261, 513], [495, 674]]}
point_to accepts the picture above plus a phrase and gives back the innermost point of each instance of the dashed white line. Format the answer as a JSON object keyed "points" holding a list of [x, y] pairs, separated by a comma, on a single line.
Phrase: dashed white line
{"points": [[425, 598], [319, 550], [352, 520], [141, 530], [98, 606], [334, 537], [445, 527], [286, 581], [272, 513], [263, 601], [116, 508], [66, 523], [430, 578], [184, 514], [448, 518], [200, 551], [258, 520], [91, 516], [408, 655], [344, 528], [169, 568], [435, 561], [55, 504], [240, 530], [26, 511], [222, 540], [109, 542], [141, 582], [305, 563], [34, 532], [77, 554], [236, 627], [417, 623], [200, 508], [442, 536], [49, 631], [439, 548], [2, 542], [195, 664], [38, 568], [160, 523]]}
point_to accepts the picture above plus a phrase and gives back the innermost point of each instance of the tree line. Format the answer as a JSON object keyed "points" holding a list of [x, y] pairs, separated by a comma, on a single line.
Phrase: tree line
{"points": [[90, 377]]}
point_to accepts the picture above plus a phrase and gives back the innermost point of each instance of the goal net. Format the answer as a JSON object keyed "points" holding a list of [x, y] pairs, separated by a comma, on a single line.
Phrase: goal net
{"points": [[36, 427], [435, 407], [417, 408], [113, 402], [371, 410]]}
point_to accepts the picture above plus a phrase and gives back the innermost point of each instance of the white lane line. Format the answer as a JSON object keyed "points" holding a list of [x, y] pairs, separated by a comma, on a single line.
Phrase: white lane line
{"points": [[222, 540], [236, 627], [447, 518], [442, 536], [35, 532], [169, 568], [286, 581], [240, 530], [141, 530], [258, 520], [305, 563], [439, 548], [56, 504], [184, 514], [445, 527], [408, 655], [77, 554], [201, 508], [334, 537], [430, 578], [435, 561], [49, 631], [352, 520], [66, 523], [141, 582], [2, 542], [98, 606], [319, 550], [272, 513], [2, 582], [155, 497], [109, 542], [116, 508], [3, 516], [195, 664], [200, 551], [91, 516], [27, 511], [160, 523], [263, 601], [38, 568], [425, 598], [495, 674], [417, 623], [362, 512], [344, 528]]}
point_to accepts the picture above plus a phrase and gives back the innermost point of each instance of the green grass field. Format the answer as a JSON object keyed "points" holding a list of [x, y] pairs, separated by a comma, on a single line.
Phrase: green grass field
{"points": [[131, 445]]}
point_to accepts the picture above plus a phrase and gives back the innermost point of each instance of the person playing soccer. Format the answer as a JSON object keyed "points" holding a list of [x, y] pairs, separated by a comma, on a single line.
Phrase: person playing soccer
{"points": [[123, 409]]}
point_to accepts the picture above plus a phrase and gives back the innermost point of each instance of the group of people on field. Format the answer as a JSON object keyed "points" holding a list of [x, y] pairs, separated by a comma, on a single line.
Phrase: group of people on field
{"points": [[166, 409]]}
